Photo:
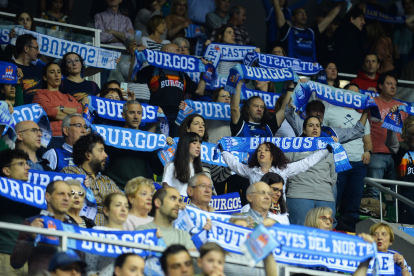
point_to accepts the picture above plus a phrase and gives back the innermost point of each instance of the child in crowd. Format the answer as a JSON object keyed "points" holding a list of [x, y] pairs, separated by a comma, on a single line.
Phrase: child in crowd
{"points": [[211, 259]]}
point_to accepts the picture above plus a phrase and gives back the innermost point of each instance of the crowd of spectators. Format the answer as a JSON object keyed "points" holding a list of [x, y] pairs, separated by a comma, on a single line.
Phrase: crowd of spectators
{"points": [[301, 188]]}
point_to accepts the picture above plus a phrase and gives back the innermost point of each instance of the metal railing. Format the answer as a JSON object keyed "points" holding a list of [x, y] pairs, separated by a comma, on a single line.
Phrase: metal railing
{"points": [[65, 236], [374, 182], [291, 270]]}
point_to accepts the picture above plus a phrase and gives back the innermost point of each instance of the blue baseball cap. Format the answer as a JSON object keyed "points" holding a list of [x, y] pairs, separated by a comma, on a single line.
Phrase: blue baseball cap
{"points": [[65, 258], [8, 73]]}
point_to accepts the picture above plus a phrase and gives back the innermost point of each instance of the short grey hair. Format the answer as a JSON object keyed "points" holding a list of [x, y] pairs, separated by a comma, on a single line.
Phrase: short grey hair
{"points": [[125, 107], [179, 40], [75, 182], [66, 120], [193, 180], [251, 189]]}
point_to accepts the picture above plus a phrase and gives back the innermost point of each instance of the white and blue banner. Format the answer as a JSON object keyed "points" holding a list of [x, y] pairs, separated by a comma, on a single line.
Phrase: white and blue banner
{"points": [[5, 32], [372, 13], [209, 110], [6, 119], [35, 113], [335, 96], [217, 82], [269, 98], [193, 31], [229, 52], [208, 154], [393, 121], [43, 178], [273, 61], [175, 62], [146, 237], [287, 144], [194, 219], [224, 204], [56, 47], [131, 139], [369, 93], [240, 72]]}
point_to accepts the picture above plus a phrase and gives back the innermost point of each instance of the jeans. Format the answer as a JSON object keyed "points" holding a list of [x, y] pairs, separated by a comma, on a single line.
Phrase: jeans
{"points": [[299, 208], [381, 166], [350, 189]]}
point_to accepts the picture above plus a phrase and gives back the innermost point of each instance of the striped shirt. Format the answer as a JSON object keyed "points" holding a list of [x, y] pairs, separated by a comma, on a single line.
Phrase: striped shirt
{"points": [[101, 187], [152, 45], [140, 90]]}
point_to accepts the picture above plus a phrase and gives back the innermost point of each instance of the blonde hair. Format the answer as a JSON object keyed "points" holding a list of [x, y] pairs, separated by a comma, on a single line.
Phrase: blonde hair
{"points": [[406, 125], [240, 216], [374, 227], [135, 184], [176, 2], [312, 217]]}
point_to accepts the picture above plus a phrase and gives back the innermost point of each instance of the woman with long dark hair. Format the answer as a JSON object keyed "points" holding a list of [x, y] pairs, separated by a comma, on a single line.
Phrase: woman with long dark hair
{"points": [[187, 163], [332, 77], [312, 188]]}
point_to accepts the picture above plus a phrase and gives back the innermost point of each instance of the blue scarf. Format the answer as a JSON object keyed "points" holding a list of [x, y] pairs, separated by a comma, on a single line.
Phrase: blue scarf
{"points": [[272, 61], [335, 96], [372, 13], [209, 110], [240, 72], [393, 121], [217, 82], [193, 219], [288, 144], [369, 93], [207, 153], [193, 31], [5, 33], [130, 139], [7, 120], [57, 48], [112, 110], [224, 204], [175, 62], [302, 246], [229, 52], [43, 178], [146, 237], [269, 98], [35, 113], [8, 73]]}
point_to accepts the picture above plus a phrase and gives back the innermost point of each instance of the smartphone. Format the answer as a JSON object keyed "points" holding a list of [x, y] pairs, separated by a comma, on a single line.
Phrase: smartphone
{"points": [[124, 89], [138, 37]]}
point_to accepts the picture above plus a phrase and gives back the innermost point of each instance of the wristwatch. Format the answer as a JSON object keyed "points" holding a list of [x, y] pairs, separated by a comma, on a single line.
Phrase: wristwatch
{"points": [[370, 152], [62, 108]]}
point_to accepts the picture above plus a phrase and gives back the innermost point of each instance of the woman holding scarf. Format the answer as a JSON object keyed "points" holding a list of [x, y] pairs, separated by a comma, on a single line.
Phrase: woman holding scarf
{"points": [[311, 188]]}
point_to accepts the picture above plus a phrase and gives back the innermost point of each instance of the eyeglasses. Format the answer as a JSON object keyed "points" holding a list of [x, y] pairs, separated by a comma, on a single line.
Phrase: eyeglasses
{"points": [[277, 190], [325, 219], [263, 193], [80, 193], [36, 48], [78, 125], [204, 186], [34, 130], [182, 47], [70, 62], [20, 164]]}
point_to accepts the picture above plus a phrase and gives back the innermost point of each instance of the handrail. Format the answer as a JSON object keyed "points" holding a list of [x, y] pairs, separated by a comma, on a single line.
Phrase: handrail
{"points": [[292, 270], [115, 47], [371, 181], [64, 236], [354, 76]]}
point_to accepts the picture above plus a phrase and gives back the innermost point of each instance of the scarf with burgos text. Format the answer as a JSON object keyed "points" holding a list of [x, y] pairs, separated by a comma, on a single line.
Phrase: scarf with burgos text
{"points": [[209, 110], [335, 96], [131, 139], [207, 154], [228, 52], [288, 144], [223, 204], [273, 61], [301, 246], [269, 98], [35, 113], [146, 237], [175, 62], [56, 47], [112, 110], [239, 72]]}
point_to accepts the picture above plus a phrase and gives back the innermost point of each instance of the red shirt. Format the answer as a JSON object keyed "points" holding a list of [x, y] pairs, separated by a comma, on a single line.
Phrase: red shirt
{"points": [[364, 82]]}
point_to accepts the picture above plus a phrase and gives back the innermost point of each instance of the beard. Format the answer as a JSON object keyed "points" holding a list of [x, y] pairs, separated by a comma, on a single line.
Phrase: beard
{"points": [[96, 165]]}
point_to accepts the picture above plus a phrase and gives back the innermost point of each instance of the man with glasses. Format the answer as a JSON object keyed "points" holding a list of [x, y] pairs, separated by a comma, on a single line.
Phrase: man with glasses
{"points": [[27, 50], [13, 164], [199, 190], [259, 196], [73, 128], [59, 199], [28, 139]]}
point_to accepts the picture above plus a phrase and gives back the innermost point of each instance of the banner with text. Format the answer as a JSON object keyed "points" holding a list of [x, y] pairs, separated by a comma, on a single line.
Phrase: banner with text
{"points": [[224, 204]]}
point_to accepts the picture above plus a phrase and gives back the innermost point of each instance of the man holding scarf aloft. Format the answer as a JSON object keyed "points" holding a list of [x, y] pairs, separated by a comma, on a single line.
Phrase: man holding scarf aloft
{"points": [[168, 87]]}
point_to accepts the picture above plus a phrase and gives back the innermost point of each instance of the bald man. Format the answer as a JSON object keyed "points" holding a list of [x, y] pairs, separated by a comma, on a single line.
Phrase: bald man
{"points": [[259, 196], [168, 86], [28, 139]]}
